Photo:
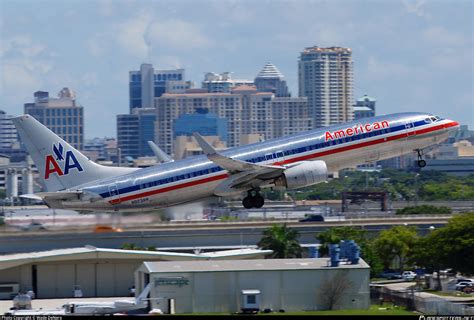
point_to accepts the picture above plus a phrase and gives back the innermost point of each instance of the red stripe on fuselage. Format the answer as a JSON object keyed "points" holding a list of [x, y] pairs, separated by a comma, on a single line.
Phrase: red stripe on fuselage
{"points": [[301, 158]]}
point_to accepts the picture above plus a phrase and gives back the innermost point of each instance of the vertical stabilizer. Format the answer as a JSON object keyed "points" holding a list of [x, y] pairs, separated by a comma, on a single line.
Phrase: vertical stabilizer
{"points": [[59, 164]]}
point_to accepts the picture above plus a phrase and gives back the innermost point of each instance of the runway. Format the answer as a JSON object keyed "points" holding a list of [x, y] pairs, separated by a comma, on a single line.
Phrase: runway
{"points": [[192, 235]]}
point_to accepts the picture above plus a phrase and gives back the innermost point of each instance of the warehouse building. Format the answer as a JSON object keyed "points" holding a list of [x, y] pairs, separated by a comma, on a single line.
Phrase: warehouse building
{"points": [[96, 272], [277, 284]]}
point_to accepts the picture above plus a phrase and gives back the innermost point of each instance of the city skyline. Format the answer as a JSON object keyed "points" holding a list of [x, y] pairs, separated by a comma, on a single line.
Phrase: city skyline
{"points": [[409, 55]]}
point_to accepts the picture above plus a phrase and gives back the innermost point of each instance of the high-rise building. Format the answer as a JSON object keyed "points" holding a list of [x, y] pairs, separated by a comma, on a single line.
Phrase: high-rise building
{"points": [[325, 76], [246, 110], [214, 82], [201, 121], [364, 107], [147, 84], [62, 115], [8, 134], [134, 131], [270, 79]]}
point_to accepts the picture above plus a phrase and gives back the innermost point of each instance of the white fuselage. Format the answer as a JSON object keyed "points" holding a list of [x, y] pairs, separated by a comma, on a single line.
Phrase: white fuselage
{"points": [[340, 146]]}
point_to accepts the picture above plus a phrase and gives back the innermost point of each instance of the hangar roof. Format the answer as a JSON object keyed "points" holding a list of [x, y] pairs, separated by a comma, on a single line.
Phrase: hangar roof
{"points": [[247, 265], [90, 252]]}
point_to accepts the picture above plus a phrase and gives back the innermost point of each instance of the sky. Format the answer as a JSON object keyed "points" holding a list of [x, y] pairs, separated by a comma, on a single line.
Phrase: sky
{"points": [[409, 55]]}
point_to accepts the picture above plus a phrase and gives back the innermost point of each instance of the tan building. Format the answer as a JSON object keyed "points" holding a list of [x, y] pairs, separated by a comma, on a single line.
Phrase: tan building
{"points": [[185, 146], [62, 115], [246, 110], [325, 77], [278, 284]]}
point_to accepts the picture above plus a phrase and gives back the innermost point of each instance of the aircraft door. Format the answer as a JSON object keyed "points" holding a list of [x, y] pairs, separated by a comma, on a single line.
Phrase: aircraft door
{"points": [[410, 128], [113, 190]]}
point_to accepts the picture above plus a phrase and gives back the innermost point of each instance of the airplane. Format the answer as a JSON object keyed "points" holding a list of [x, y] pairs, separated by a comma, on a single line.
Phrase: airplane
{"points": [[72, 181], [91, 307]]}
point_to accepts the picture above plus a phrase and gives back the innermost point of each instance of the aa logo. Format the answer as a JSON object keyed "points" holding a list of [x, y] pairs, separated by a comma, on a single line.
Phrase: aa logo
{"points": [[55, 163]]}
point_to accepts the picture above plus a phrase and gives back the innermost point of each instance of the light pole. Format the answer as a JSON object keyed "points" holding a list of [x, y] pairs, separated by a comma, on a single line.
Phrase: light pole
{"points": [[416, 189]]}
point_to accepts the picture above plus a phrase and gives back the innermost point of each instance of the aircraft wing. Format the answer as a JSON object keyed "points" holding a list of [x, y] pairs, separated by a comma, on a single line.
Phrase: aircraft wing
{"points": [[244, 175]]}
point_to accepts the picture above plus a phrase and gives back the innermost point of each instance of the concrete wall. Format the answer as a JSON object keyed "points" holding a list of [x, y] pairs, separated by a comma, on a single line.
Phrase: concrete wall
{"points": [[291, 290], [99, 278]]}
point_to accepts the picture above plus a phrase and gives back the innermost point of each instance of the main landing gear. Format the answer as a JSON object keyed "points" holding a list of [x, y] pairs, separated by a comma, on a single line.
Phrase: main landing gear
{"points": [[421, 163], [253, 200]]}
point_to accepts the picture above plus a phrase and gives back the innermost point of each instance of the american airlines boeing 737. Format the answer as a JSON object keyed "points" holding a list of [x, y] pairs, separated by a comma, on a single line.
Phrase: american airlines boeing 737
{"points": [[72, 181]]}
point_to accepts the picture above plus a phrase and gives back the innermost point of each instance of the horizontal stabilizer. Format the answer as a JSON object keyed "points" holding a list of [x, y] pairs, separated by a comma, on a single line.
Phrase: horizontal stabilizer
{"points": [[59, 195]]}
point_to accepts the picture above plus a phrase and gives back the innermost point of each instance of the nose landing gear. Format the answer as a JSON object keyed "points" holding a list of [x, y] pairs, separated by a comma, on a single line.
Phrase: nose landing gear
{"points": [[421, 163], [253, 200]]}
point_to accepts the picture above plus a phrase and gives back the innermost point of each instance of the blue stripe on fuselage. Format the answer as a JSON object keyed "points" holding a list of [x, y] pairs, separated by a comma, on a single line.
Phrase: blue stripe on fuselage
{"points": [[261, 158]]}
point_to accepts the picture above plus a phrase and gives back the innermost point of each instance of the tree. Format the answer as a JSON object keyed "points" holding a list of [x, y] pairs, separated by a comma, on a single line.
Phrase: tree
{"points": [[333, 290], [451, 246], [367, 252], [396, 242], [282, 240]]}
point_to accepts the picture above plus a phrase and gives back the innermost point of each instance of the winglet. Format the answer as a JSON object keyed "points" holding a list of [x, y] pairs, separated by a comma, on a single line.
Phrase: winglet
{"points": [[205, 146], [159, 154]]}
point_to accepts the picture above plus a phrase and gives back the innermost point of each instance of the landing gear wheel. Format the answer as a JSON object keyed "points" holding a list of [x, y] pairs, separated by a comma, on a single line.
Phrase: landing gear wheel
{"points": [[421, 163], [247, 202], [258, 201]]}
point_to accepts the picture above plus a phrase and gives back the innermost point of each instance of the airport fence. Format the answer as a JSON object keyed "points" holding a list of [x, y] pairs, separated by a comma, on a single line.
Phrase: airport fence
{"points": [[420, 301]]}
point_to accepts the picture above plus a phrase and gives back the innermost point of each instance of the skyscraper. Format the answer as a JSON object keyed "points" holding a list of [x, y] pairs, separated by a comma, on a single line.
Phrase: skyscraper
{"points": [[325, 76], [8, 134], [364, 107], [61, 115], [147, 83], [134, 130], [270, 79]]}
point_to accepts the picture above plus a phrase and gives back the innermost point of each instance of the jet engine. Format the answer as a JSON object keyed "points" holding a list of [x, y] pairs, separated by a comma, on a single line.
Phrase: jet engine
{"points": [[303, 174]]}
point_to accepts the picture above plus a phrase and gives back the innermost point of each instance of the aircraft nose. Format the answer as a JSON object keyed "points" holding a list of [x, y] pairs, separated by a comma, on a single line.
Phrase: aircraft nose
{"points": [[452, 125]]}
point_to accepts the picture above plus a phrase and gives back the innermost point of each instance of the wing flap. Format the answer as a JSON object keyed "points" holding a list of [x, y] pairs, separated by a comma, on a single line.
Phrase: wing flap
{"points": [[244, 175]]}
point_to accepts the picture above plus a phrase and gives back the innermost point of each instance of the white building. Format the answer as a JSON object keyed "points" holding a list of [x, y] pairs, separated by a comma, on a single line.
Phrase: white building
{"points": [[8, 134], [99, 272], [325, 77], [214, 82], [277, 284]]}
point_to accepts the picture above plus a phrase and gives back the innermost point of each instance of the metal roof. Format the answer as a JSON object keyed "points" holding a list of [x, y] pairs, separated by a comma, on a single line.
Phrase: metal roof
{"points": [[247, 265], [90, 252], [270, 71]]}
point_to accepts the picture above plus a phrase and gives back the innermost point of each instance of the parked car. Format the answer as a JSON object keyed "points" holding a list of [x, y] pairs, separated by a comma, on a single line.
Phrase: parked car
{"points": [[408, 275], [464, 280], [312, 218], [462, 285], [33, 226], [391, 275]]}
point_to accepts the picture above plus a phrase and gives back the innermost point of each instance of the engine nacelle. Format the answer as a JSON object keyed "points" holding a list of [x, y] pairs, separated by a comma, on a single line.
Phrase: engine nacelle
{"points": [[303, 174]]}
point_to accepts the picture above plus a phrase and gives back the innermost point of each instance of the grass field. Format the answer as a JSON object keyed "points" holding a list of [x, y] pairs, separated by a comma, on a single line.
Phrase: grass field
{"points": [[375, 310]]}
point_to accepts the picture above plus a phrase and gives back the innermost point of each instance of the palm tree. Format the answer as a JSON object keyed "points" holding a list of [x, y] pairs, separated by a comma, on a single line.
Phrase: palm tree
{"points": [[282, 240]]}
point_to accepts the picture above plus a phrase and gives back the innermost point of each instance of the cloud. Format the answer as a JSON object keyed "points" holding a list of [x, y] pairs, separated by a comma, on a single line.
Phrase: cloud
{"points": [[25, 63], [130, 35], [176, 35], [440, 36], [416, 7], [378, 69]]}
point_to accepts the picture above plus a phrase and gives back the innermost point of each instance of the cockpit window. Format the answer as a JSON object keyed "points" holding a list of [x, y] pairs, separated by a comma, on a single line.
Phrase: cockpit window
{"points": [[434, 119], [428, 120]]}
